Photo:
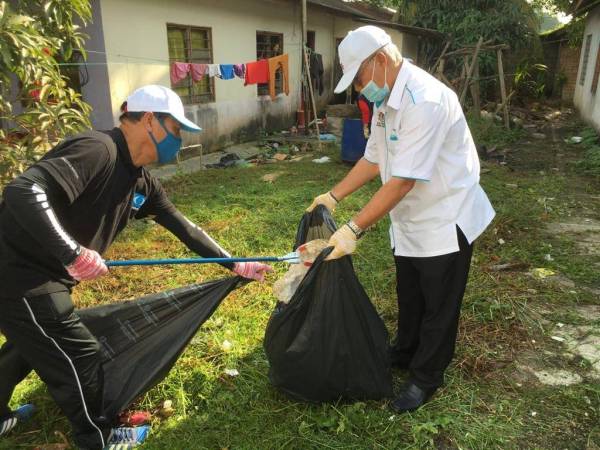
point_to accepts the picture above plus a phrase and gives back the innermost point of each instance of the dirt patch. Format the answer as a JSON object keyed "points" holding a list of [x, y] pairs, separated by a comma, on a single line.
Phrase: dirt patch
{"points": [[534, 368], [582, 341], [577, 346], [557, 377], [586, 230]]}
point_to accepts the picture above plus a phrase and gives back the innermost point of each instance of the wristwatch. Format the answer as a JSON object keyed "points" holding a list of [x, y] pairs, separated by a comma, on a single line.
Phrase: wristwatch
{"points": [[358, 231]]}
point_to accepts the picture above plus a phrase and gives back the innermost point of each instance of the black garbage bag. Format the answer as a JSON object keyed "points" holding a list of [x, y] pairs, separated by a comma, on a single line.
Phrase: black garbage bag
{"points": [[328, 342], [141, 339]]}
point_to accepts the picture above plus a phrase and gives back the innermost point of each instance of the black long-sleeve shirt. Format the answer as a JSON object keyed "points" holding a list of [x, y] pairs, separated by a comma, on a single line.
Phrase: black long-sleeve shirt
{"points": [[81, 193]]}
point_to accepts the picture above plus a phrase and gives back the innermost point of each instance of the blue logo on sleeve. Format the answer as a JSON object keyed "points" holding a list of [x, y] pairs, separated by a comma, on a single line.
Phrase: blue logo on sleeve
{"points": [[138, 201]]}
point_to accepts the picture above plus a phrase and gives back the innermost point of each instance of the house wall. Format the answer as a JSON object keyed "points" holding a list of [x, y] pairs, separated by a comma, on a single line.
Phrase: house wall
{"points": [[96, 91], [550, 49], [136, 53], [586, 101], [139, 55], [568, 66]]}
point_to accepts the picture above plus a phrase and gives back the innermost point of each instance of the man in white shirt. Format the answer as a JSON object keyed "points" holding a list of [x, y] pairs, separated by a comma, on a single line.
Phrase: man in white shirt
{"points": [[422, 149]]}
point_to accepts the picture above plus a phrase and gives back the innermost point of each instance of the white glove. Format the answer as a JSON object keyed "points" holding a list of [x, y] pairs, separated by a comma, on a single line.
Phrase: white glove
{"points": [[343, 242], [327, 199]]}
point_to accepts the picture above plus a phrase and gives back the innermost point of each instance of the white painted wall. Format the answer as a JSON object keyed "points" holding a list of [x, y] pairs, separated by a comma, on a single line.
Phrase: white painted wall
{"points": [[138, 55], [586, 101], [135, 42]]}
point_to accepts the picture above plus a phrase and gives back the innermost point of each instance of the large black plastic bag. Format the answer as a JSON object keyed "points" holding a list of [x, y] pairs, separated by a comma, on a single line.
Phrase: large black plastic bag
{"points": [[142, 339], [328, 342]]}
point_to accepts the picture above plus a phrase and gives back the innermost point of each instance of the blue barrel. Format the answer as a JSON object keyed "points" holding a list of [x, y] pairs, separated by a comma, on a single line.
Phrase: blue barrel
{"points": [[353, 140]]}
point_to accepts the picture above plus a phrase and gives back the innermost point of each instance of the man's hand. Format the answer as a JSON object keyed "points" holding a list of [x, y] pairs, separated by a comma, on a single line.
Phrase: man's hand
{"points": [[343, 242], [327, 199], [87, 266], [252, 270], [366, 133]]}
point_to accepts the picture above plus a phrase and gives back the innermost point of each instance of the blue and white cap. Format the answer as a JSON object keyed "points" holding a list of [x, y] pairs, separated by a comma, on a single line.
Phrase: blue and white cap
{"points": [[155, 98]]}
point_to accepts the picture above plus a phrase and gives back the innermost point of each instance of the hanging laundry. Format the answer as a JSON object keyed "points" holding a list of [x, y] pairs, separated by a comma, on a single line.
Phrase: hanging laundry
{"points": [[276, 63], [198, 71], [239, 70], [227, 72], [214, 70], [179, 71], [257, 72], [316, 72]]}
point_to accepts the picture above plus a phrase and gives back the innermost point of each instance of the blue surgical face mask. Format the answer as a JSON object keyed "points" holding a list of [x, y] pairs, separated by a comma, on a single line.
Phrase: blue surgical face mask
{"points": [[374, 93], [168, 148]]}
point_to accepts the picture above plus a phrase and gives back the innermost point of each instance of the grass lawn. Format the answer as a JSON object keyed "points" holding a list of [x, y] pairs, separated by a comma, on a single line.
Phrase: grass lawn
{"points": [[486, 402]]}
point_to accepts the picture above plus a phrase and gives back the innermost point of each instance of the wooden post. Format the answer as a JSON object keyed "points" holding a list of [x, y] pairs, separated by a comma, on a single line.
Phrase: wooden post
{"points": [[312, 98], [503, 88], [475, 90], [439, 60], [471, 68], [440, 68], [466, 68], [303, 92]]}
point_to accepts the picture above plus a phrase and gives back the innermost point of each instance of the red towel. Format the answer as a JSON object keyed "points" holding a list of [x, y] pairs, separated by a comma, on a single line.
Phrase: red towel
{"points": [[257, 72]]}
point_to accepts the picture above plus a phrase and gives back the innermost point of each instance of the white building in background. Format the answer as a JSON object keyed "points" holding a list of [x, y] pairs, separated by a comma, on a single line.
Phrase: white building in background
{"points": [[587, 90], [133, 42]]}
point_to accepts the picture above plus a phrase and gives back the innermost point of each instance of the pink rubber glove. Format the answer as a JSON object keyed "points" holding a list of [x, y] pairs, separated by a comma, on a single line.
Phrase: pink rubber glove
{"points": [[252, 270], [87, 266]]}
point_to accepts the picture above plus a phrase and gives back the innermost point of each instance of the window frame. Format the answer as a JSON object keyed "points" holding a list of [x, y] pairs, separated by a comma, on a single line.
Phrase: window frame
{"points": [[586, 58], [263, 89], [190, 98], [596, 74]]}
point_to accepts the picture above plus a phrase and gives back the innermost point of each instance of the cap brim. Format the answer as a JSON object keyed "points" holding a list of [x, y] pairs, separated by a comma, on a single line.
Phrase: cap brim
{"points": [[346, 80], [187, 125]]}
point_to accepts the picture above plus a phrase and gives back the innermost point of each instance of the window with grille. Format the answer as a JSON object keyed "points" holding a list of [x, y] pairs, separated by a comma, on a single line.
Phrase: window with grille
{"points": [[586, 57], [193, 45], [267, 46], [596, 72]]}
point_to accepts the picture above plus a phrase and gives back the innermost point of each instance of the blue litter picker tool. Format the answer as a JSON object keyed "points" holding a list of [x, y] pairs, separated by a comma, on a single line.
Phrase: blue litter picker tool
{"points": [[290, 258]]}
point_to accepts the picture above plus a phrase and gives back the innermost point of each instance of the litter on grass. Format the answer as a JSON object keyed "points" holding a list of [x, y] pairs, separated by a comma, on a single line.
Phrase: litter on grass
{"points": [[285, 287]]}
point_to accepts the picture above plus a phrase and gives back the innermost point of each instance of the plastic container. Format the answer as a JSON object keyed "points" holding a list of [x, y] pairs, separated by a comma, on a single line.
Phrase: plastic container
{"points": [[353, 140]]}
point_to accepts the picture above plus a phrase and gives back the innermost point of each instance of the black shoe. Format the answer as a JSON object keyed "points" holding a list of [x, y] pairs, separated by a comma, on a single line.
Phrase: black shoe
{"points": [[411, 398]]}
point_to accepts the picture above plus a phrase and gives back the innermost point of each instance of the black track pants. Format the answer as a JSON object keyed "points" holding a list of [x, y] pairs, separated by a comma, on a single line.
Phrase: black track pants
{"points": [[44, 334]]}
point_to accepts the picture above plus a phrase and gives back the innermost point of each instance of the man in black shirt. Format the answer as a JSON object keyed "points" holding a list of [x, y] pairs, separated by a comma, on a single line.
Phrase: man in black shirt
{"points": [[56, 219]]}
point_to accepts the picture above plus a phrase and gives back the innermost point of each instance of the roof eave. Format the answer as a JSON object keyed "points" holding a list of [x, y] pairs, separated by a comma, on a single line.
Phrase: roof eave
{"points": [[417, 31]]}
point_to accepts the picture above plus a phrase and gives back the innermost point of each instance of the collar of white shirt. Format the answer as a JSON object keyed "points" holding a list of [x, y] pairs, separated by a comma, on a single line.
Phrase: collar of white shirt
{"points": [[395, 97]]}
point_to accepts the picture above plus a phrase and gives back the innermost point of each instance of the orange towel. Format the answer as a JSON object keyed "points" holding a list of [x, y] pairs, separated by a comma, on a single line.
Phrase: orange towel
{"points": [[275, 63]]}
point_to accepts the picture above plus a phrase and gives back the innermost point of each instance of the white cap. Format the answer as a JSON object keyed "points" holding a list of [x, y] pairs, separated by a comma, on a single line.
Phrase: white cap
{"points": [[357, 46], [160, 99]]}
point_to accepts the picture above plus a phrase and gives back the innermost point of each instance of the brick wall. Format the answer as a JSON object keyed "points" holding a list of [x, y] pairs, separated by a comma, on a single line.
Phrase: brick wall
{"points": [[568, 65]]}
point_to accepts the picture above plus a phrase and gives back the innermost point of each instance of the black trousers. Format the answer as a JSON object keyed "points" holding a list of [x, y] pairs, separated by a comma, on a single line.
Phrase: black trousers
{"points": [[430, 292], [44, 334]]}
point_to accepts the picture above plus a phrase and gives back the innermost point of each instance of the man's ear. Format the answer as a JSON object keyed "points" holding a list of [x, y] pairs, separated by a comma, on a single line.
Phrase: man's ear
{"points": [[147, 120], [381, 58]]}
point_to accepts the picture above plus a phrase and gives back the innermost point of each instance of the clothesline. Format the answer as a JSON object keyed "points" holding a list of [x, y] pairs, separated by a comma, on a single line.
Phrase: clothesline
{"points": [[158, 60], [255, 72]]}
